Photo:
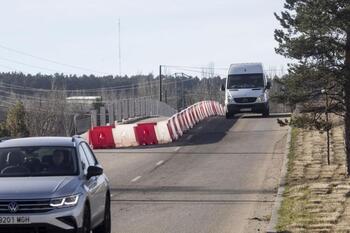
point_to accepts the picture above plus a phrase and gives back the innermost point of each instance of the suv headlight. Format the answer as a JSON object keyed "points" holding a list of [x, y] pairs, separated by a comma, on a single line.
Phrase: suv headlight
{"points": [[65, 201], [261, 98], [229, 98]]}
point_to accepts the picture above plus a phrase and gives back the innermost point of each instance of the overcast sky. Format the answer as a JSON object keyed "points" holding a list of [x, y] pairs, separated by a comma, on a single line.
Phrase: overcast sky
{"points": [[84, 33]]}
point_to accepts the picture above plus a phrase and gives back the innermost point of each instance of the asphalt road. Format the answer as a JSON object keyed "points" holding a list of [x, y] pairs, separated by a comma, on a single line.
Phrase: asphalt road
{"points": [[220, 177]]}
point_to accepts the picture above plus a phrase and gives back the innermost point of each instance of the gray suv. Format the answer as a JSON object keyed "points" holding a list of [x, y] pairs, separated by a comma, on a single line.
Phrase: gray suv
{"points": [[52, 184]]}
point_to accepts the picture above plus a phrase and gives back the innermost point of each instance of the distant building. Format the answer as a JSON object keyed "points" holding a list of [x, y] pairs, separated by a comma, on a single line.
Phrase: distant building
{"points": [[88, 100]]}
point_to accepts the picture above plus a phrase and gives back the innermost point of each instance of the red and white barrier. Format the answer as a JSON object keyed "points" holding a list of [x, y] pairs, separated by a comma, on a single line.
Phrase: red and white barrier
{"points": [[162, 132], [124, 135]]}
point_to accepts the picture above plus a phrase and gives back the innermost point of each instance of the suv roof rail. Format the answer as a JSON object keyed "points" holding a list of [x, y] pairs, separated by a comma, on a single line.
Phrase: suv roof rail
{"points": [[75, 137]]}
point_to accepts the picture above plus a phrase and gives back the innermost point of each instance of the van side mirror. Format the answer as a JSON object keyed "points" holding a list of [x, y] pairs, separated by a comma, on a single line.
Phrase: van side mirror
{"points": [[94, 171], [223, 87], [268, 85]]}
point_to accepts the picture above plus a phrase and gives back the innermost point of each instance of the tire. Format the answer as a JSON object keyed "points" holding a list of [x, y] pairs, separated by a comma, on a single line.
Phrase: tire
{"points": [[86, 220], [105, 226], [229, 115], [266, 112]]}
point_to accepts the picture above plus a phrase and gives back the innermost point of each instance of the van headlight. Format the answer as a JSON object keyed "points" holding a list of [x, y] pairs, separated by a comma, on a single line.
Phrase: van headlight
{"points": [[261, 98], [62, 202], [229, 99]]}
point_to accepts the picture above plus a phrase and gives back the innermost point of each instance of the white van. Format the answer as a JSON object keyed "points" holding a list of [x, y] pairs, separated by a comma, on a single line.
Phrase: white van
{"points": [[246, 90]]}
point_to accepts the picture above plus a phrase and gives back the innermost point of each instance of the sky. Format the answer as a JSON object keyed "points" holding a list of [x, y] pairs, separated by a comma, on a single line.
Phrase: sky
{"points": [[81, 36]]}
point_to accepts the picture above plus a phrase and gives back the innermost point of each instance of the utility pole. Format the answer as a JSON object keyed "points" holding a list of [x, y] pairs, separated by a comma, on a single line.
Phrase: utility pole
{"points": [[160, 83]]}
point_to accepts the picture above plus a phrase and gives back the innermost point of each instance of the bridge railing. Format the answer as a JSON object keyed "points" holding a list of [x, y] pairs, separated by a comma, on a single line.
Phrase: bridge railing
{"points": [[122, 110]]}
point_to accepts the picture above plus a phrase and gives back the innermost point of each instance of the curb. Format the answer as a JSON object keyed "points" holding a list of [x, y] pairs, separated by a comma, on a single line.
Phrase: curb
{"points": [[279, 197]]}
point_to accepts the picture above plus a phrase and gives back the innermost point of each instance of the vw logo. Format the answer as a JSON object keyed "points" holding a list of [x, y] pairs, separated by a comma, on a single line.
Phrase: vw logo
{"points": [[13, 207]]}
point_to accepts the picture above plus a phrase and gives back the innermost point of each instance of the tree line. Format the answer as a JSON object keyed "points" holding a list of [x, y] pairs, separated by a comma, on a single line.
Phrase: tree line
{"points": [[46, 112]]}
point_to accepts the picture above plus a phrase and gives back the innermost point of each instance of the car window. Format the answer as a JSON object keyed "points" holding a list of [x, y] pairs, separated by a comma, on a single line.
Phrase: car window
{"points": [[89, 155], [38, 161], [84, 161]]}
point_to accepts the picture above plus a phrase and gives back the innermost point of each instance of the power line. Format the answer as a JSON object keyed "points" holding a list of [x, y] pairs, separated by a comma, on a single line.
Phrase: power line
{"points": [[49, 60], [25, 64], [10, 68]]}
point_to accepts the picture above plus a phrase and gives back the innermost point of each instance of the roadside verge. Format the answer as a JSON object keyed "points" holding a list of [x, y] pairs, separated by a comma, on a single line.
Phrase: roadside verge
{"points": [[316, 195]]}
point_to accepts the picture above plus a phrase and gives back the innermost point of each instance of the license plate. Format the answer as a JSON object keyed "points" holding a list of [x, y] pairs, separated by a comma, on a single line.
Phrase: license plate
{"points": [[14, 220], [245, 109]]}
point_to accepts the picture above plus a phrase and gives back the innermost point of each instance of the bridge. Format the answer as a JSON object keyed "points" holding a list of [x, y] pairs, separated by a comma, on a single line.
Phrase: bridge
{"points": [[219, 176]]}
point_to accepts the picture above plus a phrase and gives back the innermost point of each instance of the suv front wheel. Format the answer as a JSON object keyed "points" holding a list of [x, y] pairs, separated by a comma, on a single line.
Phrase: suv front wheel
{"points": [[86, 220], [105, 226]]}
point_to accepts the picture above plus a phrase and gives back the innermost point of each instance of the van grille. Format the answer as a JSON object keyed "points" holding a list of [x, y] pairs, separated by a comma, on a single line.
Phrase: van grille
{"points": [[245, 100], [26, 206]]}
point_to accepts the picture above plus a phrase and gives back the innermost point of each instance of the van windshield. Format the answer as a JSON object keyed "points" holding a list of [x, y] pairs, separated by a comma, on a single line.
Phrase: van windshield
{"points": [[38, 161], [245, 81]]}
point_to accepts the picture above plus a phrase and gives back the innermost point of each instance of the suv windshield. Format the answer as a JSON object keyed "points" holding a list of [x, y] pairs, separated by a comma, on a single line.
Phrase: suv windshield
{"points": [[38, 161], [245, 81]]}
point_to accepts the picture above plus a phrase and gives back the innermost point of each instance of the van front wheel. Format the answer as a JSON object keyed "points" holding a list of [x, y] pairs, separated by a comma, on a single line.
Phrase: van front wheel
{"points": [[266, 112], [229, 115]]}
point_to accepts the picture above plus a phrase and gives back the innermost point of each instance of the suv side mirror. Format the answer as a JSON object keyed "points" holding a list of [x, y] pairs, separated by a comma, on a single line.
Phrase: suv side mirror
{"points": [[223, 87], [268, 85], [94, 171]]}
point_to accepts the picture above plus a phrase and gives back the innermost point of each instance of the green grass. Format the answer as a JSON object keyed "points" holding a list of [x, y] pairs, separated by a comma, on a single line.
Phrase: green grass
{"points": [[292, 209], [292, 149]]}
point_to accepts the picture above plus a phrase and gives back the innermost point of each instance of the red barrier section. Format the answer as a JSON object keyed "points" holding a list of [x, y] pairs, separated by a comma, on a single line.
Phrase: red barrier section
{"points": [[101, 137], [146, 134]]}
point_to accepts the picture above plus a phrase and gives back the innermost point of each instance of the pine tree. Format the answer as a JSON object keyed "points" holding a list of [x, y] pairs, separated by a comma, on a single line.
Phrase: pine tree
{"points": [[316, 34], [15, 121]]}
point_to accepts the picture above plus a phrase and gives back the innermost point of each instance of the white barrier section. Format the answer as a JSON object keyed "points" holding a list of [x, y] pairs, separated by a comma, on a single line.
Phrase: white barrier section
{"points": [[178, 126], [124, 135], [162, 132], [195, 113], [171, 123], [189, 119]]}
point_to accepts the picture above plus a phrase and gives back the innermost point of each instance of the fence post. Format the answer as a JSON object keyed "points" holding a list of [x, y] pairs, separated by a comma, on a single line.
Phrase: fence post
{"points": [[128, 109], [102, 116], [93, 118], [111, 114]]}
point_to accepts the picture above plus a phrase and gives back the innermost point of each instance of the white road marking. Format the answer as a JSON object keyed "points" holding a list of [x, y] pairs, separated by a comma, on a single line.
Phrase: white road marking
{"points": [[200, 127], [177, 148], [160, 163], [136, 179], [189, 137]]}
